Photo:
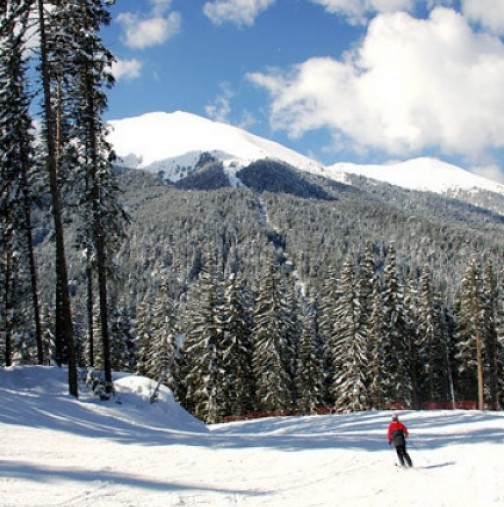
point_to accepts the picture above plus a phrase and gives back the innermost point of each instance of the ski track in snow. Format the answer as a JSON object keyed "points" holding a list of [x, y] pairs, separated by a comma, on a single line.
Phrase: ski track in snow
{"points": [[58, 451]]}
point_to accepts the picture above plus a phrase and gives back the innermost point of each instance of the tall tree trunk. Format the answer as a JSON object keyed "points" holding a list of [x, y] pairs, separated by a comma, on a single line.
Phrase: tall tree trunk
{"points": [[90, 305], [64, 326], [89, 283], [479, 359], [33, 278], [31, 257], [8, 296], [98, 232]]}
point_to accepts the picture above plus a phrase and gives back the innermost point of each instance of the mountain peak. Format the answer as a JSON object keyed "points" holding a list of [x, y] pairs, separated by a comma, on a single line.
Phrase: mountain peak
{"points": [[424, 174], [172, 143], [154, 139]]}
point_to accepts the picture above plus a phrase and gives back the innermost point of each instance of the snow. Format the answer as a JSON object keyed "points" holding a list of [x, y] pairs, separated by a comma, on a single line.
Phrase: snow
{"points": [[423, 174], [57, 450], [159, 140], [169, 142]]}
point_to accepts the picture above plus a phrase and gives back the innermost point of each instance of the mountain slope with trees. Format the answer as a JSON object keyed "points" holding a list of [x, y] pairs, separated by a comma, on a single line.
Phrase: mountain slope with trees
{"points": [[250, 284], [393, 261]]}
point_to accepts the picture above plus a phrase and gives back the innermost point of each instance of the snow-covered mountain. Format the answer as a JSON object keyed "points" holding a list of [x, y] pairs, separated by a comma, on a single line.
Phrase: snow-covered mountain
{"points": [[423, 174], [172, 143]]}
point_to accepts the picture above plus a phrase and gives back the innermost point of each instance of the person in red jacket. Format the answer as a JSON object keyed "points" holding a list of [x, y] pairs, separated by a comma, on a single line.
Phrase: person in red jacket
{"points": [[397, 434]]}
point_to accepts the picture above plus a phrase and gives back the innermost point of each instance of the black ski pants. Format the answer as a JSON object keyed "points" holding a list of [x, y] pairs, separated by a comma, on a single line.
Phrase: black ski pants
{"points": [[403, 455]]}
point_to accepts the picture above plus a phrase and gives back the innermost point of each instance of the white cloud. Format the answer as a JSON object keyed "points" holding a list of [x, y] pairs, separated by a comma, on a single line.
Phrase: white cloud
{"points": [[156, 28], [490, 13], [220, 108], [357, 11], [413, 84], [239, 12], [126, 69], [490, 172], [160, 7]]}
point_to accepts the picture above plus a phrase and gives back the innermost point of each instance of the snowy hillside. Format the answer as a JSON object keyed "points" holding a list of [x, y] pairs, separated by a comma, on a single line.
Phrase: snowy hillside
{"points": [[173, 143], [424, 174], [59, 451]]}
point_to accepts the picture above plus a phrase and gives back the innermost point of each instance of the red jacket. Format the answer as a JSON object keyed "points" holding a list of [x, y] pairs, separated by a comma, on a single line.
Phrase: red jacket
{"points": [[396, 425]]}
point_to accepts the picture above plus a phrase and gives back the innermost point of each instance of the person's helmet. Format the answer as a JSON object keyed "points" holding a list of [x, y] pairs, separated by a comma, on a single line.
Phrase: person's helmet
{"points": [[395, 417]]}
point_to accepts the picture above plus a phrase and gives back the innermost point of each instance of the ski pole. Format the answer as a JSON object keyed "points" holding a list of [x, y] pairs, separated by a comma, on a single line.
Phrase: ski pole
{"points": [[421, 453]]}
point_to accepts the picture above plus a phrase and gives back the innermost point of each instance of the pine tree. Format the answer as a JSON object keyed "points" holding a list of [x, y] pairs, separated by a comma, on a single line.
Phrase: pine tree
{"points": [[64, 332], [412, 339], [470, 333], [164, 331], [350, 344], [17, 162], [238, 385], [431, 345], [395, 334], [91, 65], [143, 335], [202, 348], [326, 327], [377, 370], [492, 366], [310, 376], [122, 350], [293, 328], [499, 356], [271, 349], [370, 322]]}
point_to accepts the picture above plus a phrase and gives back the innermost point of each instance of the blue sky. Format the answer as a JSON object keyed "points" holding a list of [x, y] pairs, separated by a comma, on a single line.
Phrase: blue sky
{"points": [[338, 80]]}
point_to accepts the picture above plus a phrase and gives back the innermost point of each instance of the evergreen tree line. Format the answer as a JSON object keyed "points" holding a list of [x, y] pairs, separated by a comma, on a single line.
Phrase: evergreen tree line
{"points": [[52, 60], [370, 339], [238, 299]]}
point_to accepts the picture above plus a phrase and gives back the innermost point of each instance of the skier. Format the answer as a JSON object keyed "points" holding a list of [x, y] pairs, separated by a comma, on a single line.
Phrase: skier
{"points": [[397, 434]]}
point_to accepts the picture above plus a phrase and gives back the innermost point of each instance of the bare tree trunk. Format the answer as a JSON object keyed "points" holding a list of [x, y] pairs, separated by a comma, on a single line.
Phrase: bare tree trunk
{"points": [[479, 359], [90, 305], [33, 272], [31, 255], [98, 233], [64, 325], [8, 296]]}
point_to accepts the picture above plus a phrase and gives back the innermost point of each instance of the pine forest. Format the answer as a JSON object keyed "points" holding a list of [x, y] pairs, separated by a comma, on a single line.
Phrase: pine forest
{"points": [[291, 294]]}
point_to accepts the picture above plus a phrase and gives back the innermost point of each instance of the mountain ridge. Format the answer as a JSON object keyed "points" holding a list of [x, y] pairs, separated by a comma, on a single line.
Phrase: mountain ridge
{"points": [[171, 144]]}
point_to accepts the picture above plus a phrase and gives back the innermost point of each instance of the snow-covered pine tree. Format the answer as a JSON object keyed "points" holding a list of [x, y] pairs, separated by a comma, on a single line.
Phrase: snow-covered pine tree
{"points": [[143, 334], [164, 332], [377, 373], [293, 327], [492, 365], [369, 324], [431, 345], [412, 338], [48, 337], [271, 349], [202, 346], [122, 340], [310, 376], [500, 340], [326, 322], [64, 331], [91, 65], [394, 334], [238, 384], [16, 167], [350, 345], [470, 334]]}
